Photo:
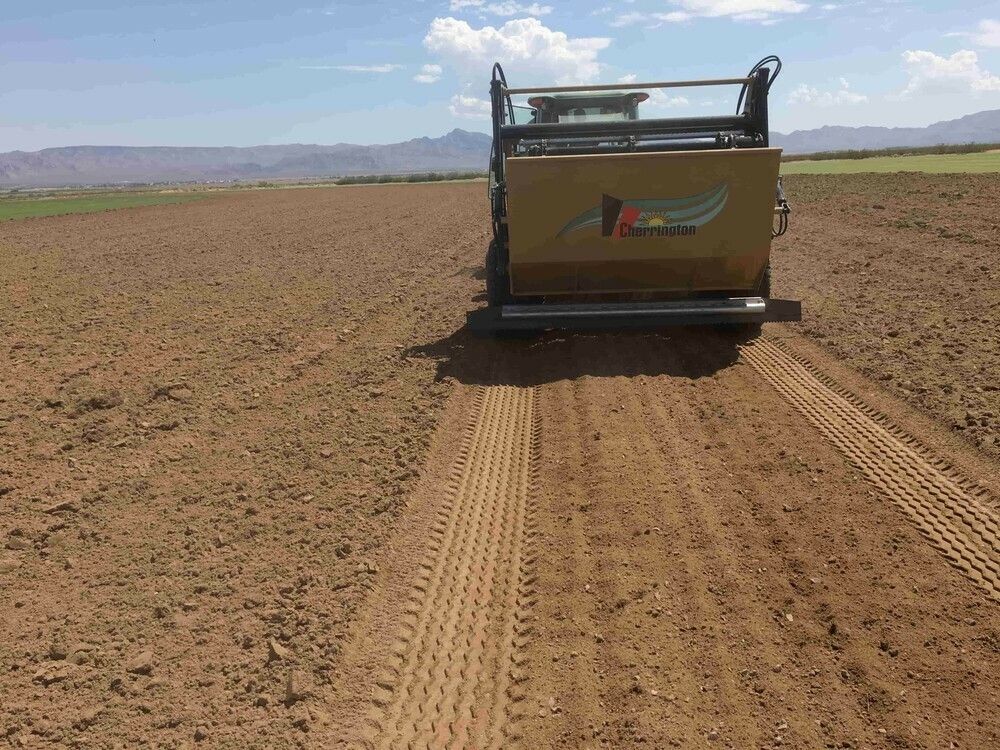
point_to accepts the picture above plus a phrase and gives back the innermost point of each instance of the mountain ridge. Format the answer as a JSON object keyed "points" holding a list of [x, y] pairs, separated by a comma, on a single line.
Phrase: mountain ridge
{"points": [[979, 127], [457, 150], [89, 165]]}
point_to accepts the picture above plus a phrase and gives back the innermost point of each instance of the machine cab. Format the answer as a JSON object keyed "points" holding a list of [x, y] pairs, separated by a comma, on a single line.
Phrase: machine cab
{"points": [[587, 108]]}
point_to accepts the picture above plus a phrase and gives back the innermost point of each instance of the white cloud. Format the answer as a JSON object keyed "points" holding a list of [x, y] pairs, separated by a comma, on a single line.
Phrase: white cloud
{"points": [[651, 20], [741, 10], [958, 74], [384, 68], [628, 78], [660, 99], [531, 52], [502, 8], [510, 8], [804, 94], [428, 74], [628, 19], [986, 35], [470, 107]]}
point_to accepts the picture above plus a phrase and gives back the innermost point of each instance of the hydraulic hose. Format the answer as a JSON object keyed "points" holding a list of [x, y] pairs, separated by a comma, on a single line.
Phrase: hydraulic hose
{"points": [[774, 74]]}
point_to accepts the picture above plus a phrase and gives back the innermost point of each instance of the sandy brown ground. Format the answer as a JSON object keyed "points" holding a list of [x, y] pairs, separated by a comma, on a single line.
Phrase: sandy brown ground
{"points": [[225, 444], [898, 275], [716, 574], [209, 424]]}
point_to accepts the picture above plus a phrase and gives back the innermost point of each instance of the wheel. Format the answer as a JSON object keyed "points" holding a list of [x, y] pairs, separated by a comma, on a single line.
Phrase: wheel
{"points": [[497, 277], [498, 289]]}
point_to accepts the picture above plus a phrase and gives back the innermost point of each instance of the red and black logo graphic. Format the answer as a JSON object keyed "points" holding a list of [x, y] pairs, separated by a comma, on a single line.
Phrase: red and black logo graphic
{"points": [[652, 217]]}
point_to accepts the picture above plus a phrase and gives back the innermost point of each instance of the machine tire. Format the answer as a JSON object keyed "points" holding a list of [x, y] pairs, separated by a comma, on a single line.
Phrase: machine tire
{"points": [[497, 277], [498, 289]]}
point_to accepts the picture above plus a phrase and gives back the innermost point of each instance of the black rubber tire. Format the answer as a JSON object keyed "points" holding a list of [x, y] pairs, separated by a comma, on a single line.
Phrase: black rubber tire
{"points": [[497, 277]]}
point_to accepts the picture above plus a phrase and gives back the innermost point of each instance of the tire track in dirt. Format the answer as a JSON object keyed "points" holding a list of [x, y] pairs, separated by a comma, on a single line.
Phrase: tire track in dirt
{"points": [[457, 664], [945, 509]]}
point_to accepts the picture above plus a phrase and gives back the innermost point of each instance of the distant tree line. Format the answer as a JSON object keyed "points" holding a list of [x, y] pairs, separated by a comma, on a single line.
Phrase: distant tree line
{"points": [[962, 148], [374, 179]]}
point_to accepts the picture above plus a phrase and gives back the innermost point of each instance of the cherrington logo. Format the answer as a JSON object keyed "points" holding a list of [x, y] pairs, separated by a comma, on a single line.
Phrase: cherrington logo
{"points": [[652, 217]]}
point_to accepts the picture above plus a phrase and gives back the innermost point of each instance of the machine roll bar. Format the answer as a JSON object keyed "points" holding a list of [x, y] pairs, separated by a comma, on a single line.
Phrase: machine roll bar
{"points": [[752, 121], [626, 127], [630, 86]]}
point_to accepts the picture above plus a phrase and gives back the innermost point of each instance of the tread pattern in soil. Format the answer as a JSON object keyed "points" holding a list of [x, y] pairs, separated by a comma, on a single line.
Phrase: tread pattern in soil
{"points": [[458, 659], [947, 510]]}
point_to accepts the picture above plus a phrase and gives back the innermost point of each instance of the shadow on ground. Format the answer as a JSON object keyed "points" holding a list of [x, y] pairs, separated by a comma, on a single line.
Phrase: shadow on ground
{"points": [[562, 355]]}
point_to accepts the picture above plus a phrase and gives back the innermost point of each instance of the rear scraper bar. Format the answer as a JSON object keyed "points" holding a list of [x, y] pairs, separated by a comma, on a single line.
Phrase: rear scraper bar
{"points": [[620, 315]]}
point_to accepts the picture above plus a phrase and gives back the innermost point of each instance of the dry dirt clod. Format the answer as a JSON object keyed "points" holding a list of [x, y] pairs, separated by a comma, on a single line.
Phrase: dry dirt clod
{"points": [[141, 663], [53, 674], [87, 717], [18, 543], [296, 687], [101, 400], [63, 506], [277, 652], [180, 393]]}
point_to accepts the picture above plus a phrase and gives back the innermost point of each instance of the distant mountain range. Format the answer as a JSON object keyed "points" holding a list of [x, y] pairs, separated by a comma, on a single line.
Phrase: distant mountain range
{"points": [[458, 150], [91, 165], [982, 127]]}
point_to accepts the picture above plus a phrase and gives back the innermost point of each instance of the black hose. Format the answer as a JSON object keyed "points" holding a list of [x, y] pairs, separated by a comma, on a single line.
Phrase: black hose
{"points": [[496, 197], [499, 75], [774, 74]]}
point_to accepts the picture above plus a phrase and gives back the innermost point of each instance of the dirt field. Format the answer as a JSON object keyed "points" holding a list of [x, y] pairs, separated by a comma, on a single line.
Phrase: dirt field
{"points": [[899, 277], [259, 489]]}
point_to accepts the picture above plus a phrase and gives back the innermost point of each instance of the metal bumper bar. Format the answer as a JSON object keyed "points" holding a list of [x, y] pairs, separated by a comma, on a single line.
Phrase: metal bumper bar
{"points": [[634, 314]]}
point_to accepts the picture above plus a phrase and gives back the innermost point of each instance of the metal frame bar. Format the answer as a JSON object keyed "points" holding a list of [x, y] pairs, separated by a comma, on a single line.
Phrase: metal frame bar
{"points": [[629, 86], [638, 148], [712, 124]]}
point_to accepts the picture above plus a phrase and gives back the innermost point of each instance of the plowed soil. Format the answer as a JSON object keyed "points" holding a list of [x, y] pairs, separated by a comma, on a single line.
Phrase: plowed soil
{"points": [[258, 488], [898, 275]]}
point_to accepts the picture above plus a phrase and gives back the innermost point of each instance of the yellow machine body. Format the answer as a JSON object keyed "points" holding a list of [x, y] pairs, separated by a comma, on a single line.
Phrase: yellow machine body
{"points": [[680, 222]]}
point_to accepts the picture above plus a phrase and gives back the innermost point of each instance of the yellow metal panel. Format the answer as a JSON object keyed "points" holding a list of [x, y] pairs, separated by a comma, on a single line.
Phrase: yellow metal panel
{"points": [[675, 222]]}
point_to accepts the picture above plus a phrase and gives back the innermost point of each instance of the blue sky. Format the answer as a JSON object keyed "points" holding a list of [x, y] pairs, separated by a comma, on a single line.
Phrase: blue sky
{"points": [[228, 72]]}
